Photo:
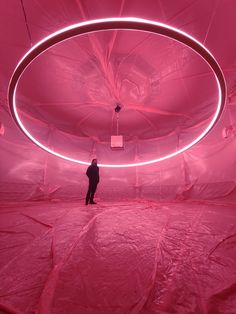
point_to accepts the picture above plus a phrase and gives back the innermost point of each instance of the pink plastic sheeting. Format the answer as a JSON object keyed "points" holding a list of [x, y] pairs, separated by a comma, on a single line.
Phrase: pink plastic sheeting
{"points": [[139, 257], [131, 257], [205, 171], [67, 98]]}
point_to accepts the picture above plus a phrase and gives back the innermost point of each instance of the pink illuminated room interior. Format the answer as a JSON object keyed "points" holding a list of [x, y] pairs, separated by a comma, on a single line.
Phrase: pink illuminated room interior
{"points": [[148, 88]]}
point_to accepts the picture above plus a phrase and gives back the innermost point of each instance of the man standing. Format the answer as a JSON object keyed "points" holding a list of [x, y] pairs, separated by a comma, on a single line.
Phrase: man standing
{"points": [[93, 175]]}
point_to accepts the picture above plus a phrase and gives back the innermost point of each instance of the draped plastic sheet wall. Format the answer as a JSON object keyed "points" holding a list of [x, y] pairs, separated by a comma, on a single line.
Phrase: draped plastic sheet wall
{"points": [[205, 171]]}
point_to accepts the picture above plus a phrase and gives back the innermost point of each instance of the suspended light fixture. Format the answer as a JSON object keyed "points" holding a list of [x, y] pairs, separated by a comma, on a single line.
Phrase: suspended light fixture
{"points": [[128, 23], [117, 140]]}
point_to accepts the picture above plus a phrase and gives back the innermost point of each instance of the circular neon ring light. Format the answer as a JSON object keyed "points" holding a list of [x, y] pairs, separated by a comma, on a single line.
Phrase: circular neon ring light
{"points": [[118, 24]]}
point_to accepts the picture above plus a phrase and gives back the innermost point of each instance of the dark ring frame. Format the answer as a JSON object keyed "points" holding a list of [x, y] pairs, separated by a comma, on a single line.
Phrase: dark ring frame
{"points": [[116, 24]]}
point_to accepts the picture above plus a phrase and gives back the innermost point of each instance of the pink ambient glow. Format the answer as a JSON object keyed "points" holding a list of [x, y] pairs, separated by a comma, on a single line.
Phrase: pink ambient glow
{"points": [[108, 24]]}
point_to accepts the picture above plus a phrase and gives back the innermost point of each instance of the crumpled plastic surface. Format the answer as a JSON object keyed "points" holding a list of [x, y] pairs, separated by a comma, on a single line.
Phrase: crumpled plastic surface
{"points": [[125, 257]]}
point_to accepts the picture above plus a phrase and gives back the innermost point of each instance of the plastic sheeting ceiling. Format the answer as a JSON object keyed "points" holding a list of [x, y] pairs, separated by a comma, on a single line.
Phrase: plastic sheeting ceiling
{"points": [[153, 244]]}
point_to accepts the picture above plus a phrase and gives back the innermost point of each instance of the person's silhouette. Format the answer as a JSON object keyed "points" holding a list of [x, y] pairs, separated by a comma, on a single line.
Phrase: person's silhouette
{"points": [[93, 175]]}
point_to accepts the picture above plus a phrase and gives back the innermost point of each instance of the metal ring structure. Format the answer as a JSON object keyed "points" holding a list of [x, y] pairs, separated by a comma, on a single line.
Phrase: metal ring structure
{"points": [[122, 23]]}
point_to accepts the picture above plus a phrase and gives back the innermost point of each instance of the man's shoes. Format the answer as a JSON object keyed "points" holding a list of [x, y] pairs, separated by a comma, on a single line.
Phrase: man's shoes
{"points": [[92, 202]]}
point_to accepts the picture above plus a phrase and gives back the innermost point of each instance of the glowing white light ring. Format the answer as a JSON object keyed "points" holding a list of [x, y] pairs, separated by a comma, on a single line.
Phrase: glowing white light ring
{"points": [[128, 23]]}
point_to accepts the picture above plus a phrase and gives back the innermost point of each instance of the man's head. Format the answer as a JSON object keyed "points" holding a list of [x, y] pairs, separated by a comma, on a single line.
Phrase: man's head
{"points": [[94, 161]]}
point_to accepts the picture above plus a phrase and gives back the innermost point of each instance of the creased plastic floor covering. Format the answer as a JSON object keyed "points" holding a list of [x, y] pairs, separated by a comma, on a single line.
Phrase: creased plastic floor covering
{"points": [[117, 258]]}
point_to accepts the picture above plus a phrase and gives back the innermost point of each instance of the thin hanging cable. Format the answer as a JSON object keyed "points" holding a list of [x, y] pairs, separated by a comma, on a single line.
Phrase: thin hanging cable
{"points": [[26, 22], [117, 123]]}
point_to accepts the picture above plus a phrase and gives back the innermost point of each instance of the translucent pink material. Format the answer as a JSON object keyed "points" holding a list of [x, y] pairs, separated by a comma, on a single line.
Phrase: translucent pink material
{"points": [[125, 257], [162, 237]]}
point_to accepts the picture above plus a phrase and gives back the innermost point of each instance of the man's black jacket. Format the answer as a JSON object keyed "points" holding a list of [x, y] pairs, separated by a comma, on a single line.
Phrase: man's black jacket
{"points": [[93, 174]]}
